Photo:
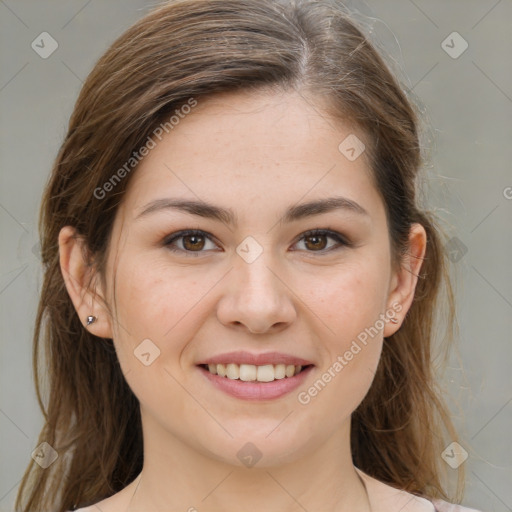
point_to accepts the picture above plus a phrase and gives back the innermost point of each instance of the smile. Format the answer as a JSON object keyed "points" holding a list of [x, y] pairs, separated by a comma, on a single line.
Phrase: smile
{"points": [[250, 372], [251, 382]]}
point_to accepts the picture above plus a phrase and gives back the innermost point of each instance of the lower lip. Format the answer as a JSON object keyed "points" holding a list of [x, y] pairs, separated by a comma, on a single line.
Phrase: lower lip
{"points": [[257, 390]]}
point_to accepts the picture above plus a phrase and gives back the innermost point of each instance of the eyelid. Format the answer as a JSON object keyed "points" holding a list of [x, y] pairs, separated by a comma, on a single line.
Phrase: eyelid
{"points": [[342, 240], [330, 233], [187, 232]]}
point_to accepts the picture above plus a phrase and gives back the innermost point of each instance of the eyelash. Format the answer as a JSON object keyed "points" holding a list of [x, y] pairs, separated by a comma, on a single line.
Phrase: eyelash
{"points": [[314, 232]]}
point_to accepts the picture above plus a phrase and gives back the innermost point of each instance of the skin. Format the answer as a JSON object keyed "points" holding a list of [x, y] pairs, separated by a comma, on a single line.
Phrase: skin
{"points": [[256, 153]]}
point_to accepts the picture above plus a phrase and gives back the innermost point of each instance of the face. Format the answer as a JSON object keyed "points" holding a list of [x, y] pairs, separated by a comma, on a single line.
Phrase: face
{"points": [[255, 280]]}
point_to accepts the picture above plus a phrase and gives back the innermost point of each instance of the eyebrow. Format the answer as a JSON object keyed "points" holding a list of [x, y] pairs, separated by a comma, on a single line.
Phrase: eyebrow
{"points": [[227, 216]]}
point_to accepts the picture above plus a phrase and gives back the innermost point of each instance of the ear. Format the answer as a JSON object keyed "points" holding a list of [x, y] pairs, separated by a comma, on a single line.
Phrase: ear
{"points": [[82, 283], [404, 279]]}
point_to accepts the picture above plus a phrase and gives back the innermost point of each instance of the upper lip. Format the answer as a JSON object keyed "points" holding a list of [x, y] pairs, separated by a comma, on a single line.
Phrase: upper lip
{"points": [[242, 357]]}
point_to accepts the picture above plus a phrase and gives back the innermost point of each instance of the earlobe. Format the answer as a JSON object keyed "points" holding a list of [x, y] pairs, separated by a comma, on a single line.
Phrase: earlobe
{"points": [[80, 278], [404, 279]]}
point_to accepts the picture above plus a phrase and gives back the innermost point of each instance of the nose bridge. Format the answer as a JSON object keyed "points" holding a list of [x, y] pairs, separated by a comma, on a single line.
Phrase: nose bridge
{"points": [[258, 298], [256, 279]]}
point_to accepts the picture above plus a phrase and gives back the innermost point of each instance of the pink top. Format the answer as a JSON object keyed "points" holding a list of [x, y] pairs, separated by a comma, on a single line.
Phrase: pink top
{"points": [[384, 498], [443, 506], [439, 506]]}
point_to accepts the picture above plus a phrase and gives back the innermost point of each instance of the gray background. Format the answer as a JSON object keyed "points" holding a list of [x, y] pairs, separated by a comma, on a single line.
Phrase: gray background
{"points": [[467, 104]]}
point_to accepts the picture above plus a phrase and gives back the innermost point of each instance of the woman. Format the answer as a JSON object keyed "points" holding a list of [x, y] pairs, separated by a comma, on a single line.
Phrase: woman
{"points": [[240, 288]]}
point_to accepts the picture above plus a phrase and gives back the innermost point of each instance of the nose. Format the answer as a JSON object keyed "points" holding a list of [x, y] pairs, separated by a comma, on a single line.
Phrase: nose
{"points": [[257, 298]]}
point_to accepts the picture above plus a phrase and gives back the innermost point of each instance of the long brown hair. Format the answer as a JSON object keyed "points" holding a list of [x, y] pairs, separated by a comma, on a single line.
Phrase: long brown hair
{"points": [[191, 49]]}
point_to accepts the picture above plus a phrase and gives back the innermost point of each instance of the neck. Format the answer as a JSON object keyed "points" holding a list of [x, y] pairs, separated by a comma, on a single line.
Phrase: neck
{"points": [[181, 478]]}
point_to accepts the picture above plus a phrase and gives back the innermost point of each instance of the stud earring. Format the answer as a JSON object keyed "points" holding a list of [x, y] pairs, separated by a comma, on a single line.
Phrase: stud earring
{"points": [[393, 320], [90, 320]]}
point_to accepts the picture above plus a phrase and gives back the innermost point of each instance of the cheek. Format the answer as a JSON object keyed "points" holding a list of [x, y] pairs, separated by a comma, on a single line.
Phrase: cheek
{"points": [[158, 304], [350, 347], [350, 303], [151, 297], [348, 298], [158, 313]]}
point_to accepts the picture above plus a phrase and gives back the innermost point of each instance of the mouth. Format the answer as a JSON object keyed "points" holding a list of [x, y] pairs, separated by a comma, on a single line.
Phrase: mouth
{"points": [[255, 373], [255, 382]]}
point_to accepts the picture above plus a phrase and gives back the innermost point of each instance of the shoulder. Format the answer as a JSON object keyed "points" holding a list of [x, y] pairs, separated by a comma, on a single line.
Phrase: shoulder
{"points": [[101, 506], [114, 503], [385, 497], [107, 505], [443, 506], [91, 508], [98, 507]]}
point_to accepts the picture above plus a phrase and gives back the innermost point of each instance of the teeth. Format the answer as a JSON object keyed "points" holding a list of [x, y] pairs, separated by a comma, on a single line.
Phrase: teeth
{"points": [[250, 372], [221, 370], [290, 370], [266, 373], [233, 371], [279, 371]]}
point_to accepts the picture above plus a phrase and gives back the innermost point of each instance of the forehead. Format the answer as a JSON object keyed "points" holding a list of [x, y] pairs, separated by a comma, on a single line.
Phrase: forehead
{"points": [[258, 127], [262, 146]]}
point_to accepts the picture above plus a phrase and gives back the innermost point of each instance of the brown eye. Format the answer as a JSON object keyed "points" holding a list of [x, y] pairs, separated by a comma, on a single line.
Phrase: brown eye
{"points": [[193, 242], [189, 242], [316, 241]]}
